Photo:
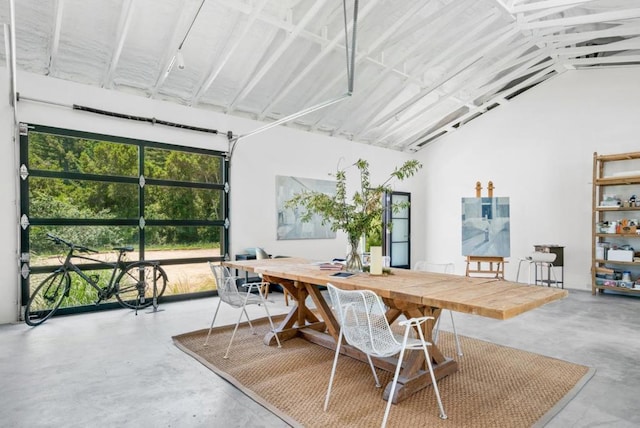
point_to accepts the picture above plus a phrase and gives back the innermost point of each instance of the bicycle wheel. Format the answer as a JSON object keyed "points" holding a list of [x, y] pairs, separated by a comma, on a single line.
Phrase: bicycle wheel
{"points": [[135, 284], [47, 297]]}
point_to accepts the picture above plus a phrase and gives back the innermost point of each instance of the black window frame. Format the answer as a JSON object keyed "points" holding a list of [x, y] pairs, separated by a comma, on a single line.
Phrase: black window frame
{"points": [[141, 222]]}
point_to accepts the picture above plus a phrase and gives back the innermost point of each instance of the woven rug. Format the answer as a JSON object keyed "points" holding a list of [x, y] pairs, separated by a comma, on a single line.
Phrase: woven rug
{"points": [[495, 386]]}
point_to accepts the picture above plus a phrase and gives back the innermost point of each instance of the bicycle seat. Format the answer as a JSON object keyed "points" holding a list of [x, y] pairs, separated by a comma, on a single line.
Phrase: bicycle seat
{"points": [[124, 249]]}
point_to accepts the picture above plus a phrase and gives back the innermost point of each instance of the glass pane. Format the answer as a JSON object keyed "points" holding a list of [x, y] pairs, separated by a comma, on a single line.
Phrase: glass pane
{"points": [[178, 242], [400, 230], [182, 203], [57, 198], [182, 166], [57, 153], [189, 278], [402, 212], [400, 254], [45, 252], [99, 238]]}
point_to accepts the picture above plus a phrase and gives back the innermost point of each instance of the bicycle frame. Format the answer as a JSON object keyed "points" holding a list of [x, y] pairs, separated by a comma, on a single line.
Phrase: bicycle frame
{"points": [[103, 292]]}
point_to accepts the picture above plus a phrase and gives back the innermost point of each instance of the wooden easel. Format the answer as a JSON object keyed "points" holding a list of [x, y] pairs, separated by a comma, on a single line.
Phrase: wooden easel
{"points": [[485, 266], [495, 268]]}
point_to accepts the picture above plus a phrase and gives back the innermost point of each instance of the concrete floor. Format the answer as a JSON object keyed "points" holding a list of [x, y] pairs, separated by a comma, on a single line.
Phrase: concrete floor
{"points": [[112, 368]]}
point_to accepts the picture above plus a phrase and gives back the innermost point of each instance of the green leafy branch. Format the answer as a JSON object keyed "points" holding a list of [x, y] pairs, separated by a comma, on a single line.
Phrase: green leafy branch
{"points": [[355, 216]]}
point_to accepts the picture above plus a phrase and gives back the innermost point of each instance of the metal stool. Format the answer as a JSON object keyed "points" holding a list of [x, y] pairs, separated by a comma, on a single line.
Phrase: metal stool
{"points": [[539, 260]]}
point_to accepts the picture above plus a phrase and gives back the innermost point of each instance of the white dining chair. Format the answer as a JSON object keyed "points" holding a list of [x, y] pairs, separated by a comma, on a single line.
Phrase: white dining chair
{"points": [[441, 268], [363, 325], [228, 293]]}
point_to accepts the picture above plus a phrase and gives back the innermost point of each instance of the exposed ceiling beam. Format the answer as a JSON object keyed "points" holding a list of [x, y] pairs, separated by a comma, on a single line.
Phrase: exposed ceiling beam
{"points": [[533, 65], [584, 19], [463, 65], [623, 45], [383, 37], [326, 50], [615, 59], [475, 80], [540, 70], [55, 42], [440, 20], [542, 14], [625, 29], [530, 7], [126, 12], [203, 87], [258, 75], [315, 38]]}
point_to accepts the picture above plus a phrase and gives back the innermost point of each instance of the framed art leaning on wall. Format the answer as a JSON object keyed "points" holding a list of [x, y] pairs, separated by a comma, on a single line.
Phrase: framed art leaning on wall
{"points": [[289, 225]]}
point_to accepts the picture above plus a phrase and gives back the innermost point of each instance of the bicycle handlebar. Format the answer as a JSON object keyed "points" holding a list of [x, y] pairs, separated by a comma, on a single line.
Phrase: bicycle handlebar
{"points": [[71, 245]]}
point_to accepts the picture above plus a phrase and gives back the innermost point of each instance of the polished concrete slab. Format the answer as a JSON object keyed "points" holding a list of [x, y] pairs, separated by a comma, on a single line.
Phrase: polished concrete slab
{"points": [[116, 369]]}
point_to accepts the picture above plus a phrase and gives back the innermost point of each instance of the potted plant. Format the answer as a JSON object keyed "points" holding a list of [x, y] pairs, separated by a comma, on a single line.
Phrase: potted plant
{"points": [[354, 216]]}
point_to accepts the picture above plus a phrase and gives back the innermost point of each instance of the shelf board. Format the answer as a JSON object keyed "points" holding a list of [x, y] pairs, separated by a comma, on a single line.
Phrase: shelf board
{"points": [[617, 209], [618, 235], [619, 289], [616, 181], [619, 156], [604, 262]]}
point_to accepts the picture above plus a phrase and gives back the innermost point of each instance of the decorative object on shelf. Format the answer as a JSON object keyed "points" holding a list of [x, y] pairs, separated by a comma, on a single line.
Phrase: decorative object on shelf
{"points": [[353, 216]]}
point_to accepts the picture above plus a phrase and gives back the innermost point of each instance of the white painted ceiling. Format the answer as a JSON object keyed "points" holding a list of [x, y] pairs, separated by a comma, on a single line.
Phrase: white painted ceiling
{"points": [[423, 68]]}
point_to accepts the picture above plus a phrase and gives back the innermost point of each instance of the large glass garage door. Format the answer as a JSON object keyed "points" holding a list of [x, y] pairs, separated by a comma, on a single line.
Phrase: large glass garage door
{"points": [[169, 202]]}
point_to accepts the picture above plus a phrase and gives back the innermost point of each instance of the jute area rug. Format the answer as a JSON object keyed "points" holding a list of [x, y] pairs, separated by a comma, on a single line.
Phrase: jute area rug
{"points": [[495, 386]]}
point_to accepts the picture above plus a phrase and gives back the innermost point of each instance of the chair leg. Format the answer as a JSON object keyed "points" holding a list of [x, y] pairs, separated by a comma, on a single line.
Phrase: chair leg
{"points": [[286, 297], [373, 370], [442, 415], [243, 311], [273, 327], [235, 329], [455, 334], [395, 382], [333, 371], [212, 321], [436, 332]]}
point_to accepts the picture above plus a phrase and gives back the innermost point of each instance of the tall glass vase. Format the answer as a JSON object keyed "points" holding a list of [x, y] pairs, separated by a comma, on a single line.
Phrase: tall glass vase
{"points": [[354, 258]]}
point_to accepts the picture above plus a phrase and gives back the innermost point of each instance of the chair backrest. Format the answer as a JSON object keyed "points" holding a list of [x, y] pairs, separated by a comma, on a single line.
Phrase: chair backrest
{"points": [[226, 286], [434, 267], [361, 315], [261, 254]]}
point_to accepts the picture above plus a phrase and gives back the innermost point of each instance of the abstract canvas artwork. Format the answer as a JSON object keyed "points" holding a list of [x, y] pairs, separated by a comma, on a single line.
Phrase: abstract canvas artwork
{"points": [[485, 227], [289, 224]]}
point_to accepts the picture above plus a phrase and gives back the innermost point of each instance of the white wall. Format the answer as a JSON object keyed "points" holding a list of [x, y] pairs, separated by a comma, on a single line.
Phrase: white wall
{"points": [[538, 150], [256, 162]]}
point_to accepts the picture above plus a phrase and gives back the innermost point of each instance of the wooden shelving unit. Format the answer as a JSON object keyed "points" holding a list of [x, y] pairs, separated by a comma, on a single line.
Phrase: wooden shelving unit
{"points": [[628, 184]]}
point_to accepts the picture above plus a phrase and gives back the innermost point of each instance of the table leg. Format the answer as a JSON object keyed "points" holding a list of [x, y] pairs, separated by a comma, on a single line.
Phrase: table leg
{"points": [[299, 317]]}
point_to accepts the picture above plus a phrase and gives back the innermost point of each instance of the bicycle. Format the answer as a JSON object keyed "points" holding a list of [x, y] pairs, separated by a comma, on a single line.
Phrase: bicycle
{"points": [[135, 285]]}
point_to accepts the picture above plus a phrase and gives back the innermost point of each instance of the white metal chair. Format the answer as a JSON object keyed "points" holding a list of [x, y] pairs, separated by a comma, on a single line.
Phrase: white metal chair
{"points": [[363, 324], [441, 268], [539, 260], [229, 293]]}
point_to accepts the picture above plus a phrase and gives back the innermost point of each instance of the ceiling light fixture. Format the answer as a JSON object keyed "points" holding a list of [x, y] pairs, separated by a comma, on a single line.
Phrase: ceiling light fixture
{"points": [[178, 58]]}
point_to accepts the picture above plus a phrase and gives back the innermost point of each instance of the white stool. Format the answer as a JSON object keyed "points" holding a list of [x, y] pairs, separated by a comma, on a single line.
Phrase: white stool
{"points": [[539, 260]]}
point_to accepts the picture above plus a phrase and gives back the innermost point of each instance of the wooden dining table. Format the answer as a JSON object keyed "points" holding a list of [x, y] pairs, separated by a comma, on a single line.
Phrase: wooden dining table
{"points": [[405, 292]]}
